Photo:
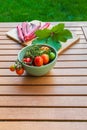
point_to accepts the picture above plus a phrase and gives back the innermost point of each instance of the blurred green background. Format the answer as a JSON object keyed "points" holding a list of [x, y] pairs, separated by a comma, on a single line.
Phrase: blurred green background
{"points": [[44, 10]]}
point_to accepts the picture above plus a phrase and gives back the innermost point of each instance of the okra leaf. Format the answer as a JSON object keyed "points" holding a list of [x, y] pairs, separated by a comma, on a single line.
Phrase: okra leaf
{"points": [[39, 41], [41, 34], [55, 44], [58, 28]]}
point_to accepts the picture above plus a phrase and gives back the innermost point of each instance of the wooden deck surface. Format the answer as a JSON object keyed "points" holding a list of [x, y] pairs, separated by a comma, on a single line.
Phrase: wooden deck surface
{"points": [[55, 101]]}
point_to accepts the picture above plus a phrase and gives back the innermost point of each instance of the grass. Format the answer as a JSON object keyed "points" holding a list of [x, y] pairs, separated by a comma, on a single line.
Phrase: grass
{"points": [[44, 10]]}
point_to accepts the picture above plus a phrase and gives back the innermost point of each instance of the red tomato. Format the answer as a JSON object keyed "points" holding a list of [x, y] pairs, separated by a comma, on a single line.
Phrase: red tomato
{"points": [[38, 61], [24, 59], [45, 58], [27, 59], [20, 71], [12, 68]]}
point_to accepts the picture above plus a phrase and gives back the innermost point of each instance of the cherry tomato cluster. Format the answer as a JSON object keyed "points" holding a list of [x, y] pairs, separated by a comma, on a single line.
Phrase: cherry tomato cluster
{"points": [[42, 57], [17, 67]]}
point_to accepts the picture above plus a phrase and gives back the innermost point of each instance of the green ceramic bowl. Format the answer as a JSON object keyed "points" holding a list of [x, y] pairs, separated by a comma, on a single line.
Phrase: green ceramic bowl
{"points": [[35, 70]]}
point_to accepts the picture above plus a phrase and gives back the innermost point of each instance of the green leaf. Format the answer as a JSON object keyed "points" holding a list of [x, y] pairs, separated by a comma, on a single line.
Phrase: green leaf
{"points": [[64, 35], [43, 33], [39, 41], [67, 34], [62, 38], [55, 37], [56, 45], [58, 28]]}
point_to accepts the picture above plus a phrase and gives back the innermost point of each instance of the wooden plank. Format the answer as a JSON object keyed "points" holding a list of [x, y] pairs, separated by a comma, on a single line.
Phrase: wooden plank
{"points": [[81, 35], [54, 90], [9, 24], [68, 72], [78, 32], [68, 23], [72, 28], [83, 46], [13, 46], [4, 37], [85, 31], [5, 64], [8, 58], [73, 24], [40, 80], [26, 125], [72, 57], [10, 46], [70, 64], [60, 58], [3, 29], [53, 72], [65, 64], [44, 101], [82, 40], [75, 51], [43, 114], [7, 72], [9, 52], [69, 51], [2, 33], [9, 41]]}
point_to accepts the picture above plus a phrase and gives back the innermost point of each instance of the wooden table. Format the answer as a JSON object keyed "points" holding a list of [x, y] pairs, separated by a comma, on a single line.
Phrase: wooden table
{"points": [[57, 101]]}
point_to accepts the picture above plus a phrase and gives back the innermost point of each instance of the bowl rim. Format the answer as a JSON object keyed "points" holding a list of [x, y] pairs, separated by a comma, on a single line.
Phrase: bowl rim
{"points": [[37, 66]]}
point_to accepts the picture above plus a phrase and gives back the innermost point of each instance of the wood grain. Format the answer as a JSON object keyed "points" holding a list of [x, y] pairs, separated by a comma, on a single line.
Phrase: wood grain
{"points": [[75, 24], [43, 114], [85, 31], [60, 64], [26, 125], [53, 72], [9, 42], [15, 46], [48, 80], [69, 51], [60, 58], [11, 46], [71, 64], [43, 101], [72, 57], [53, 90]]}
